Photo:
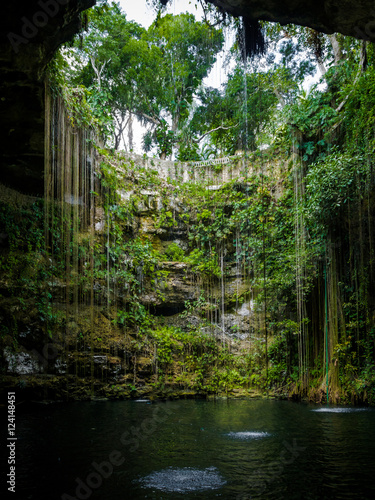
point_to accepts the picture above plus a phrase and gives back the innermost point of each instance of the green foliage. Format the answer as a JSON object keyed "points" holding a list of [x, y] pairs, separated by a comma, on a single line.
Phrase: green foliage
{"points": [[331, 184], [313, 116], [151, 74], [234, 117], [165, 139], [205, 265], [24, 267], [359, 121], [173, 253], [165, 218], [87, 107], [189, 50], [23, 225], [199, 306], [135, 315], [196, 361]]}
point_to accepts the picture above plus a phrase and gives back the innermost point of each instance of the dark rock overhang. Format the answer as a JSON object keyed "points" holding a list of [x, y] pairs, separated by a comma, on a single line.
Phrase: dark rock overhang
{"points": [[31, 31], [350, 17]]}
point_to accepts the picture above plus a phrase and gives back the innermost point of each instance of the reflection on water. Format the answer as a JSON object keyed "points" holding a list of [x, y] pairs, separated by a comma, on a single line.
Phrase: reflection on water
{"points": [[248, 435], [339, 410], [184, 480], [256, 449]]}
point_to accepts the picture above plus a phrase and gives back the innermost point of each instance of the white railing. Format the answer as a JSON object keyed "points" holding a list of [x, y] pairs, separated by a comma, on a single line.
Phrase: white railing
{"points": [[188, 171], [217, 161]]}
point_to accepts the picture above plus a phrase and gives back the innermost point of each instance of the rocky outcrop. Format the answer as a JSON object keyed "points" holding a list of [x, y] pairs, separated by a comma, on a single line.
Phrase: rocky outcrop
{"points": [[353, 18]]}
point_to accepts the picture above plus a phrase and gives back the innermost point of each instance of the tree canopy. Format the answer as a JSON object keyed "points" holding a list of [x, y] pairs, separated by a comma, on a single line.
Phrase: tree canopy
{"points": [[151, 74], [157, 75]]}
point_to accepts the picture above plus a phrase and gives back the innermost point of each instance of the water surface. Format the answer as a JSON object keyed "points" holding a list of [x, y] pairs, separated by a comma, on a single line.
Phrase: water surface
{"points": [[194, 450]]}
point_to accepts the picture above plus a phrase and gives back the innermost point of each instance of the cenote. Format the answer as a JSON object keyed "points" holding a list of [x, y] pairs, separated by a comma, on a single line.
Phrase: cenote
{"points": [[191, 313], [229, 449]]}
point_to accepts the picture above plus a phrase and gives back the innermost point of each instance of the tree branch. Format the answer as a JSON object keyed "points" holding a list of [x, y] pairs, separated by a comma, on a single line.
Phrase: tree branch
{"points": [[98, 71], [214, 130], [359, 72], [149, 118], [336, 48], [217, 23], [280, 97], [362, 63]]}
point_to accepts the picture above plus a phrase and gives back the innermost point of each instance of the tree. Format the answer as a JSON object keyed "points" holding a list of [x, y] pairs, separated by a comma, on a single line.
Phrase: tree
{"points": [[248, 109], [103, 61], [189, 50], [232, 118], [151, 74]]}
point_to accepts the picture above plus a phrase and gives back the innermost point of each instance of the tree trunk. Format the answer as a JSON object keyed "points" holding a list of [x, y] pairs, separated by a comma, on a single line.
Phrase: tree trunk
{"points": [[130, 132], [321, 67], [336, 49]]}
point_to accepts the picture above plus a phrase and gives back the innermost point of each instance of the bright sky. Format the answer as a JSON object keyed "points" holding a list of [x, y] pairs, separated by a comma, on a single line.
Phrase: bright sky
{"points": [[143, 14]]}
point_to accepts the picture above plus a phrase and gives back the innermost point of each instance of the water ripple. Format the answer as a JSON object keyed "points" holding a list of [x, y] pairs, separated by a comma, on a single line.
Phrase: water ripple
{"points": [[248, 435], [340, 410], [184, 480]]}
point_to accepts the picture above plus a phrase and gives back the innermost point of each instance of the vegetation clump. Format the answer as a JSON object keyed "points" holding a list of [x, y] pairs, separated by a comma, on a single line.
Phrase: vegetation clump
{"points": [[251, 275]]}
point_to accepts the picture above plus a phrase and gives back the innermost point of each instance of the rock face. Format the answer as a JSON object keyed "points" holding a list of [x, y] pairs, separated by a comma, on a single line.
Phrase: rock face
{"points": [[31, 32], [353, 18]]}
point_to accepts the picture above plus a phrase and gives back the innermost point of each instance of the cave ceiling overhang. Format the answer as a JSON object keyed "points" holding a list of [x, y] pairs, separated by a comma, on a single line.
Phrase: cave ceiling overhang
{"points": [[350, 17], [32, 30]]}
